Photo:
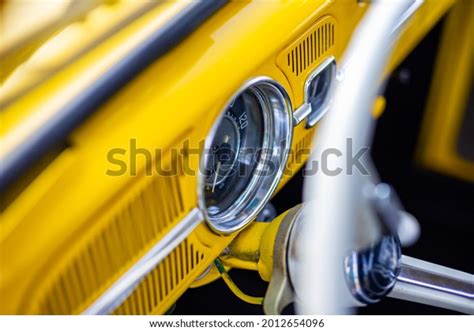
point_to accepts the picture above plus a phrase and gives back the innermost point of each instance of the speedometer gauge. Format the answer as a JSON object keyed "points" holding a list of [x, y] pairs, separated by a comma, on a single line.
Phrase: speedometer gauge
{"points": [[245, 155]]}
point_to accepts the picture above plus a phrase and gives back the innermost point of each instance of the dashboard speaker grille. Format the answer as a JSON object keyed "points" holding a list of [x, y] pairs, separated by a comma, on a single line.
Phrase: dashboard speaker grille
{"points": [[160, 288], [137, 220], [300, 151], [304, 54], [311, 49]]}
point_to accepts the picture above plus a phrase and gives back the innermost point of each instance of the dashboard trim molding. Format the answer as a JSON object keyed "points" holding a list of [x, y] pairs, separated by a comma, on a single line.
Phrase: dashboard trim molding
{"points": [[116, 294]]}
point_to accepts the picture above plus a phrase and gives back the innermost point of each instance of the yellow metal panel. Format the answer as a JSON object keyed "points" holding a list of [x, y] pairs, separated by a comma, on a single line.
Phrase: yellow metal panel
{"points": [[307, 52], [416, 28], [62, 48], [51, 233], [448, 96], [163, 286]]}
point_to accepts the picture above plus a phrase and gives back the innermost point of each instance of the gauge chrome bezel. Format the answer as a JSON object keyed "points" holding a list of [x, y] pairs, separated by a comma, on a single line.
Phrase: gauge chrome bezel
{"points": [[277, 112]]}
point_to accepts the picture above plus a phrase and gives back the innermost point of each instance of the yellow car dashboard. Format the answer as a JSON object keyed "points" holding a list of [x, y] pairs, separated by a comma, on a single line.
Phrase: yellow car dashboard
{"points": [[135, 204]]}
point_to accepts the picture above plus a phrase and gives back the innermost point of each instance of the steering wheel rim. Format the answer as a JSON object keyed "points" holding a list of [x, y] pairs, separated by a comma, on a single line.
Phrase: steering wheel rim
{"points": [[326, 231]]}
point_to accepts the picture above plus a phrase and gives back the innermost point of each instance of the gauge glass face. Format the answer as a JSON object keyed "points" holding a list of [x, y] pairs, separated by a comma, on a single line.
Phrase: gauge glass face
{"points": [[234, 153]]}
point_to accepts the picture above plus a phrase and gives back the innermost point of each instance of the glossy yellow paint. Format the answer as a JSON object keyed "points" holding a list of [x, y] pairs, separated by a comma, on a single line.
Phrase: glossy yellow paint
{"points": [[379, 106], [244, 250], [449, 92], [252, 249], [47, 229]]}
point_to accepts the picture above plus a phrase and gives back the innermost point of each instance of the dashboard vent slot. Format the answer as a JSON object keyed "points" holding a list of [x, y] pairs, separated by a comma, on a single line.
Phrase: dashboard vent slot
{"points": [[306, 52], [138, 220], [156, 290], [311, 48], [303, 147]]}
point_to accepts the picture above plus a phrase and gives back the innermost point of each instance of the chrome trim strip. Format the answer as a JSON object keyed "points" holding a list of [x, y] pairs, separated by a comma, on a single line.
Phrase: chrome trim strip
{"points": [[124, 286], [407, 15]]}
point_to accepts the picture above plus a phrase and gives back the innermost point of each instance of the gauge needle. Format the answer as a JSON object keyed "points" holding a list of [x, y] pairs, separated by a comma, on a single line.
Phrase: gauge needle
{"points": [[215, 176], [226, 140]]}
